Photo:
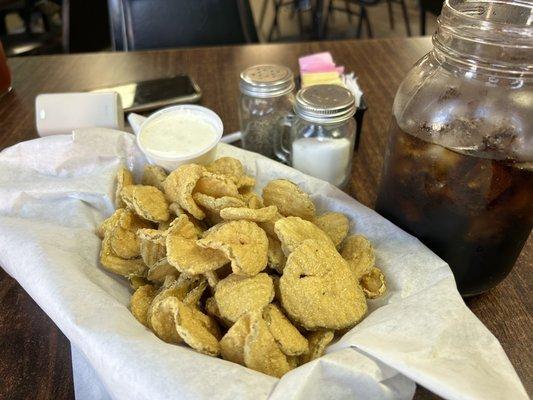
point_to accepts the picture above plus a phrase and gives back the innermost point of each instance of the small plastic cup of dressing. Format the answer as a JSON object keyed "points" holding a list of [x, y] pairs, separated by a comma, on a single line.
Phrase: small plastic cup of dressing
{"points": [[178, 135]]}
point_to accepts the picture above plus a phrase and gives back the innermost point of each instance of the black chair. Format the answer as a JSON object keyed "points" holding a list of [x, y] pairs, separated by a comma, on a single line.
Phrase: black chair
{"points": [[85, 26], [28, 42], [432, 6], [297, 7], [155, 24], [362, 13]]}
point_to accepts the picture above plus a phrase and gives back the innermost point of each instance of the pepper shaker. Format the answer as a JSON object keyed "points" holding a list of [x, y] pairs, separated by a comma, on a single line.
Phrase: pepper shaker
{"points": [[266, 99]]}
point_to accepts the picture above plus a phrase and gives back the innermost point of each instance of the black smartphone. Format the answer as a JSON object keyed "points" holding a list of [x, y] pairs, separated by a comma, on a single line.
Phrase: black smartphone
{"points": [[156, 93]]}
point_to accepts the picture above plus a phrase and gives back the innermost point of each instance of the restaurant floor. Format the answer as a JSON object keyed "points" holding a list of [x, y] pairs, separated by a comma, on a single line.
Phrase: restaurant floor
{"points": [[341, 27]]}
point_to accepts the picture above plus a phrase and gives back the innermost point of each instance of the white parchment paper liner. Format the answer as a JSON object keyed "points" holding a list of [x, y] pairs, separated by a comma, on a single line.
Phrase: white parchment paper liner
{"points": [[54, 192]]}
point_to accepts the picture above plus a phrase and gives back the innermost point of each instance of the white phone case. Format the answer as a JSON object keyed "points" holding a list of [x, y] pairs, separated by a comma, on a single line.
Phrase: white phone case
{"points": [[60, 113]]}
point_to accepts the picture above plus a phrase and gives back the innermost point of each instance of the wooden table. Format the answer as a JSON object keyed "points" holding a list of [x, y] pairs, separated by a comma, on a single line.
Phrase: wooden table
{"points": [[35, 355]]}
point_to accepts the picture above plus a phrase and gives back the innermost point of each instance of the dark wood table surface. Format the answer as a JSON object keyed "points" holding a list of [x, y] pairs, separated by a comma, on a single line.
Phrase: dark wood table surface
{"points": [[35, 355]]}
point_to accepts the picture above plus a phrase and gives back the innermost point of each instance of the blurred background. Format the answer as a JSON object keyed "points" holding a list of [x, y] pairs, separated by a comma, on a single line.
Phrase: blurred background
{"points": [[30, 27]]}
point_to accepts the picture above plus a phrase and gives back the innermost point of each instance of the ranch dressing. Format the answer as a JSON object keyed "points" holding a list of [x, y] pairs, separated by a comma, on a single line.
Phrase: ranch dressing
{"points": [[177, 134]]}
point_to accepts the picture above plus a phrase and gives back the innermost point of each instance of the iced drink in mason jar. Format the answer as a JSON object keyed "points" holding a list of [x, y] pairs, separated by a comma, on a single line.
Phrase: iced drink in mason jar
{"points": [[458, 170], [5, 76], [474, 212]]}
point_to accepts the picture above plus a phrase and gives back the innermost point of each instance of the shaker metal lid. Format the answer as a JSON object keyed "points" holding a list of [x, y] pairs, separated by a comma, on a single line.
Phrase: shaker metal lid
{"points": [[325, 104], [266, 80]]}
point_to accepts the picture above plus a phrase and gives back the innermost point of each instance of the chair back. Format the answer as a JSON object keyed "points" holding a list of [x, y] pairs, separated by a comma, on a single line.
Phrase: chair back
{"points": [[154, 24], [85, 26]]}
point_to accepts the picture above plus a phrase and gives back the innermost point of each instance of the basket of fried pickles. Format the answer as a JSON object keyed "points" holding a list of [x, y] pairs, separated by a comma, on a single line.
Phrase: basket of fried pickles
{"points": [[259, 280]]}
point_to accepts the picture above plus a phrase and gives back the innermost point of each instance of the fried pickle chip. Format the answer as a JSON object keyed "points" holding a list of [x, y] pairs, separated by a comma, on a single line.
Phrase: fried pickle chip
{"points": [[216, 204], [109, 223], [180, 185], [318, 341], [318, 290], [193, 297], [261, 352], [359, 253], [228, 166], [216, 186], [153, 175], [212, 279], [140, 302], [249, 214], [147, 201], [211, 308], [184, 253], [268, 226], [194, 331], [153, 235], [294, 361], [289, 198], [276, 257], [137, 281], [292, 231], [236, 294], [213, 206], [209, 323], [245, 183], [169, 281], [183, 227], [163, 226], [124, 243], [335, 224], [176, 209], [152, 245], [289, 339], [178, 288], [124, 218], [232, 343], [243, 242], [254, 201], [233, 169], [373, 283], [117, 265], [124, 178], [162, 319], [160, 270], [187, 256]]}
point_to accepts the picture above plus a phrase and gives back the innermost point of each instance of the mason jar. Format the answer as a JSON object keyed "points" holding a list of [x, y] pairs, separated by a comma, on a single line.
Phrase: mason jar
{"points": [[321, 134], [458, 168], [266, 99]]}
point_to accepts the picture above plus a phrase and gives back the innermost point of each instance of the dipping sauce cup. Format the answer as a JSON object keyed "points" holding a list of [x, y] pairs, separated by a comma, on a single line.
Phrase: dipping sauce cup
{"points": [[178, 135]]}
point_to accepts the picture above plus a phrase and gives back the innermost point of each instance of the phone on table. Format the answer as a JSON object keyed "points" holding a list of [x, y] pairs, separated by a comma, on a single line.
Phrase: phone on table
{"points": [[156, 93]]}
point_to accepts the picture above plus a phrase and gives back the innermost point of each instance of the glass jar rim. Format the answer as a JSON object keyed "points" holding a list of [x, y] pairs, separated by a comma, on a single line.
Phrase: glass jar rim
{"points": [[452, 5], [487, 35]]}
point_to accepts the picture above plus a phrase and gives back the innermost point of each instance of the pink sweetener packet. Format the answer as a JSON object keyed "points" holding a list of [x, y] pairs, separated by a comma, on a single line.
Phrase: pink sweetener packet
{"points": [[319, 62], [324, 56]]}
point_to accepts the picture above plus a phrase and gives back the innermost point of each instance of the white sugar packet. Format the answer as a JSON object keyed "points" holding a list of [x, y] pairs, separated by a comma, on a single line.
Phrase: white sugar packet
{"points": [[54, 192]]}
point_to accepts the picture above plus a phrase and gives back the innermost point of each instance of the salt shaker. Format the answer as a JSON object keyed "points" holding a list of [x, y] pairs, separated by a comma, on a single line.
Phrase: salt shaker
{"points": [[321, 137], [266, 99]]}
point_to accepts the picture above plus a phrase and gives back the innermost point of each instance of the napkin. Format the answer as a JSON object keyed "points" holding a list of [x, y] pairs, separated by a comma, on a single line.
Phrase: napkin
{"points": [[55, 191]]}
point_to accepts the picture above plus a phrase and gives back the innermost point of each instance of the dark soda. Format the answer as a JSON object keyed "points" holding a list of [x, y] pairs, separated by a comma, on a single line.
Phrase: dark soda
{"points": [[475, 213], [5, 76]]}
